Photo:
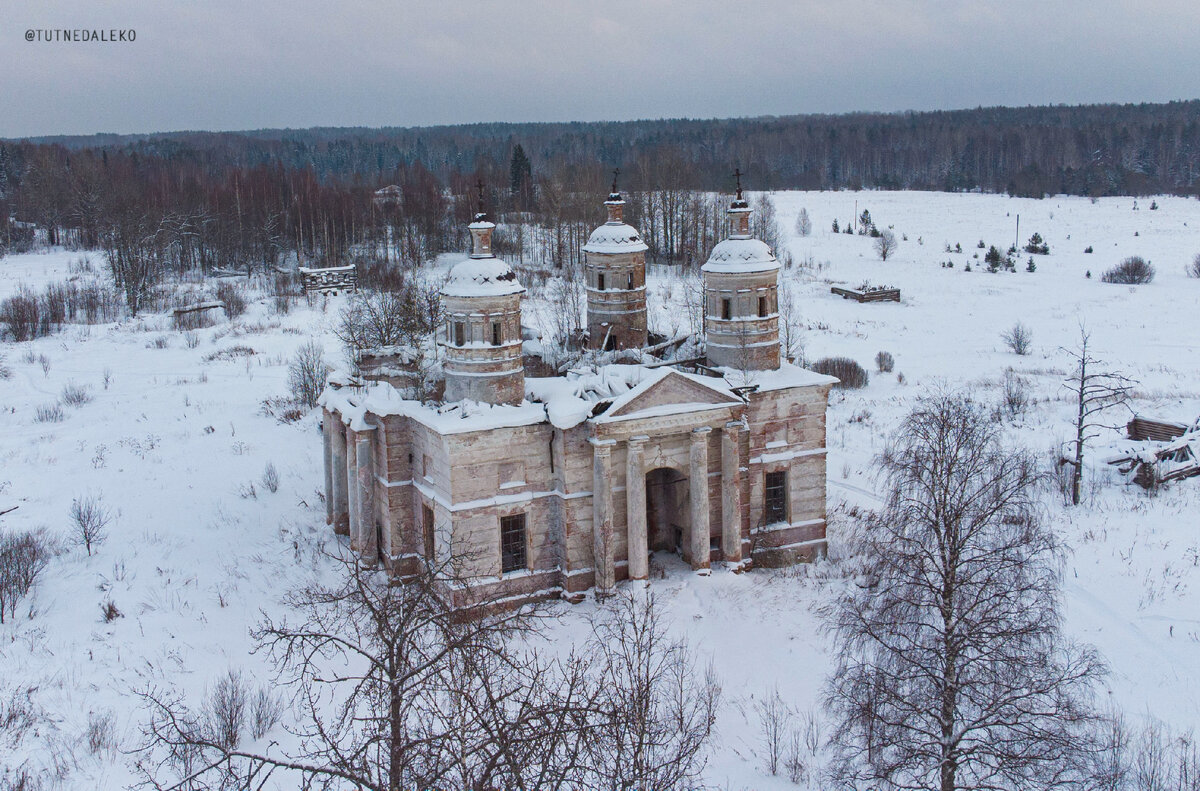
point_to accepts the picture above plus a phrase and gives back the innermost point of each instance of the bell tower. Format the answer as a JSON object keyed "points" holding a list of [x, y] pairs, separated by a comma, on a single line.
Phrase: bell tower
{"points": [[741, 295], [615, 270], [482, 301]]}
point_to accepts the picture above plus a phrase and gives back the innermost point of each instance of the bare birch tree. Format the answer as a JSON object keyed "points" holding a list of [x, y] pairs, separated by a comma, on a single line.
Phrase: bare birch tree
{"points": [[1095, 390], [952, 670]]}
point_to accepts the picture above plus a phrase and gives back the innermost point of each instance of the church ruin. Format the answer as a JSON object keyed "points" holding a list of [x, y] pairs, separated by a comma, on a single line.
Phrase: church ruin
{"points": [[554, 486]]}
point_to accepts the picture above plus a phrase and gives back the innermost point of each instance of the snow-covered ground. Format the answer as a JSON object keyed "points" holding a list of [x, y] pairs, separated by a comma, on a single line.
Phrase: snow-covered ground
{"points": [[177, 442]]}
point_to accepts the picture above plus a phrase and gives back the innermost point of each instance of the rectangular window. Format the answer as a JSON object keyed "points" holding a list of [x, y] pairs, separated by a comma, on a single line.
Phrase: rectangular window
{"points": [[495, 333], [512, 543], [726, 309], [775, 498], [460, 333], [427, 531], [630, 286], [762, 306], [600, 281]]}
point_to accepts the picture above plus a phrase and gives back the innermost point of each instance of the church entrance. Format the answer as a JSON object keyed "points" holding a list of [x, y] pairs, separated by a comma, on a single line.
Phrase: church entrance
{"points": [[668, 515]]}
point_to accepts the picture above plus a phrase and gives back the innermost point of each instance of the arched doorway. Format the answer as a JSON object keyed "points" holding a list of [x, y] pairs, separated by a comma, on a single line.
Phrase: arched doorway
{"points": [[668, 515]]}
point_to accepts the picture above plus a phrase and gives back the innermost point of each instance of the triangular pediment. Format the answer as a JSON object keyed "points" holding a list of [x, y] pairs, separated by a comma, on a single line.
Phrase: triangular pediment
{"points": [[673, 388]]}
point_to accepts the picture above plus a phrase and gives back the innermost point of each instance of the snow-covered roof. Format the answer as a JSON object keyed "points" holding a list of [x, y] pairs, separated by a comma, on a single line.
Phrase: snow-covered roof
{"points": [[380, 398], [570, 399], [615, 237], [482, 277], [654, 376], [565, 401], [783, 377], [738, 254]]}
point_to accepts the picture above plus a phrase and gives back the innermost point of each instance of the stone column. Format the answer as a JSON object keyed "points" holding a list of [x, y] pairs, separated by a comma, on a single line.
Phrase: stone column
{"points": [[602, 516], [364, 478], [341, 503], [327, 447], [635, 508], [698, 475], [352, 488], [731, 493]]}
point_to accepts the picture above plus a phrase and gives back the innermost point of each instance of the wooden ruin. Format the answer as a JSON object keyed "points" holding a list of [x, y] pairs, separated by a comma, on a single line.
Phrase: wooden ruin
{"points": [[868, 294], [331, 280]]}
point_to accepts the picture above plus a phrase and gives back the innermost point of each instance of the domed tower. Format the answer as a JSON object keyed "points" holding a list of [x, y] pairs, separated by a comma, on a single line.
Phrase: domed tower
{"points": [[482, 301], [615, 267], [741, 318]]}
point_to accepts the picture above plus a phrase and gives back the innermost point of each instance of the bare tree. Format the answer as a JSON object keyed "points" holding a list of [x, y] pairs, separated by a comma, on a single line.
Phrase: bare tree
{"points": [[368, 663], [1018, 338], [661, 706], [803, 223], [396, 686], [791, 339], [307, 373], [91, 519], [404, 316], [885, 245], [23, 558], [1095, 390], [952, 670]]}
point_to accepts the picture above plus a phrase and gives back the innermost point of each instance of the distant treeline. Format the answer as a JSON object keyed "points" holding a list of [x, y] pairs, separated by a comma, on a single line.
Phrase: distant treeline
{"points": [[236, 200]]}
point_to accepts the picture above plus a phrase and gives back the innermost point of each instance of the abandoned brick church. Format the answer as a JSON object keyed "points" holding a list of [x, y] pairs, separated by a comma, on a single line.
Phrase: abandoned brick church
{"points": [[553, 486]]}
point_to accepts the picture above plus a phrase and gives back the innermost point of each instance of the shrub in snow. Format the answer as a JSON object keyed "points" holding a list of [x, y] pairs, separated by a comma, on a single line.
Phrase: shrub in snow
{"points": [[1193, 269], [50, 413], [885, 245], [23, 558], [90, 519], [1134, 270], [266, 710], [270, 478], [191, 338], [804, 224], [884, 362], [44, 361], [109, 611], [1015, 394], [1019, 339], [101, 731], [225, 709], [21, 318], [233, 297], [850, 374], [1088, 249], [5, 371], [307, 373], [75, 395]]}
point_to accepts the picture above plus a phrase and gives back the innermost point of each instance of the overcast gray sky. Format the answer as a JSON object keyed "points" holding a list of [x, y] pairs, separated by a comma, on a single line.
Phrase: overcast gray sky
{"points": [[245, 64]]}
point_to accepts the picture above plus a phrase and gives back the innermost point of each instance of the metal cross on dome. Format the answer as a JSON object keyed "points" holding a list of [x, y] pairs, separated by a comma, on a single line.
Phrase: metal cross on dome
{"points": [[616, 172], [479, 186], [737, 174]]}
